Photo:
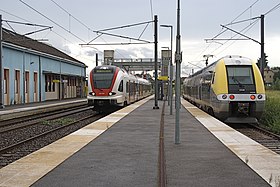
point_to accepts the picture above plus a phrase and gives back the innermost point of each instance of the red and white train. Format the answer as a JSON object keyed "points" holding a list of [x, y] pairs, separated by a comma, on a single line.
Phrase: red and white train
{"points": [[113, 86]]}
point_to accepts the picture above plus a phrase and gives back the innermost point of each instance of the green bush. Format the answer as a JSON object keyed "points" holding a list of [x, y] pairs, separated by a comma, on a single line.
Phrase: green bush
{"points": [[276, 85], [271, 116]]}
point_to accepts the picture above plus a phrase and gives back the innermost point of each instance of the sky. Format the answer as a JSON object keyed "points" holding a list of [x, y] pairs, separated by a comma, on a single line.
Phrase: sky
{"points": [[75, 22]]}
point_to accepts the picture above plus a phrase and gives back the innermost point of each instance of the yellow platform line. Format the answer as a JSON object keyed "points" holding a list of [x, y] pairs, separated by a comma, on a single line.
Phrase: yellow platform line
{"points": [[29, 169]]}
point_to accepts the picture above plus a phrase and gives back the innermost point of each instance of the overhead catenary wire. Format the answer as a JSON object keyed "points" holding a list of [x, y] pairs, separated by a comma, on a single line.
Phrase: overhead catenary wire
{"points": [[249, 8], [52, 21], [250, 25], [248, 28], [28, 24], [273, 9], [101, 32], [55, 22], [69, 31], [222, 31], [14, 15], [124, 26], [84, 26]]}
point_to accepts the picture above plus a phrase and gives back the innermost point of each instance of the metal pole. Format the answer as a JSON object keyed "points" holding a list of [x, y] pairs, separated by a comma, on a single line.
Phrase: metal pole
{"points": [[23, 78], [40, 79], [178, 59], [1, 72], [262, 46], [156, 63]]}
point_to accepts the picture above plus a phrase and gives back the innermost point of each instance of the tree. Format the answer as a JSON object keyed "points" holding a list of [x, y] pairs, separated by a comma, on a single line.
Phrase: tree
{"points": [[276, 75], [276, 85]]}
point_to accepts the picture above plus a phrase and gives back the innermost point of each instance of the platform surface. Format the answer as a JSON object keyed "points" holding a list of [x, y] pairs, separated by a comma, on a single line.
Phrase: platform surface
{"points": [[122, 150]]}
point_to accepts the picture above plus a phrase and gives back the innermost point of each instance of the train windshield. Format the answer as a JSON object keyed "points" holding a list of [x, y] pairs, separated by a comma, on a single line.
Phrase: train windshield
{"points": [[103, 77], [240, 75]]}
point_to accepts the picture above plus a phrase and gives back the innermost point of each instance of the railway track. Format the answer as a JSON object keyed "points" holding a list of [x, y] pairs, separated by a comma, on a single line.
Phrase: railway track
{"points": [[35, 120], [260, 135], [10, 122], [19, 141]]}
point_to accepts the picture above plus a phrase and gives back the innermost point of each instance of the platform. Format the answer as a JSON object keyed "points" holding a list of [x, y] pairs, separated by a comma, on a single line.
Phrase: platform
{"points": [[122, 150]]}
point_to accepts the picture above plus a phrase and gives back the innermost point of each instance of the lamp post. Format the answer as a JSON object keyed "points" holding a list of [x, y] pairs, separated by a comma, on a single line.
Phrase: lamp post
{"points": [[170, 94], [156, 59], [178, 60]]}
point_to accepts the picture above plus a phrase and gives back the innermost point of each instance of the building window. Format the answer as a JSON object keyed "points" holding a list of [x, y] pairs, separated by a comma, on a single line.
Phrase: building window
{"points": [[49, 83]]}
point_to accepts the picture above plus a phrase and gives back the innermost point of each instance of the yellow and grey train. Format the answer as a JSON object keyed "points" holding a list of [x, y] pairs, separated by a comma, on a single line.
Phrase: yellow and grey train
{"points": [[231, 89]]}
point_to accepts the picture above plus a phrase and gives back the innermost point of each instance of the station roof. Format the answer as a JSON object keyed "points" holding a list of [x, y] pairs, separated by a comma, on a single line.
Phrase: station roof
{"points": [[29, 43]]}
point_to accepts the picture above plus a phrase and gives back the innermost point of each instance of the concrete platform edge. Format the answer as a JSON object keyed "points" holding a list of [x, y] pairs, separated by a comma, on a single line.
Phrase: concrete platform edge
{"points": [[249, 151], [26, 171]]}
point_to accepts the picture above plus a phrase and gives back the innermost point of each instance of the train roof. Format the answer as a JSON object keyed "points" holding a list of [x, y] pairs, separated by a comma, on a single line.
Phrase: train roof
{"points": [[226, 58], [110, 67], [125, 71]]}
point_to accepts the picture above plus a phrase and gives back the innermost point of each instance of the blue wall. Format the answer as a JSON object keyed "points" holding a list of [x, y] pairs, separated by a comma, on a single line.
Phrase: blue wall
{"points": [[20, 59]]}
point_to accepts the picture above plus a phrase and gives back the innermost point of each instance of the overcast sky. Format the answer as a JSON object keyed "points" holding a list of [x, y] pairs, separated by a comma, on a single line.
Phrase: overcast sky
{"points": [[73, 24]]}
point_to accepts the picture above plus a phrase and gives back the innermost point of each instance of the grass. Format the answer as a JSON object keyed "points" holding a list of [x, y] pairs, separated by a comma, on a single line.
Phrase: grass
{"points": [[271, 116], [63, 121]]}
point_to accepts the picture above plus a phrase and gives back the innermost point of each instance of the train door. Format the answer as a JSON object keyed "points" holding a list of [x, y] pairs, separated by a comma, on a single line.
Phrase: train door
{"points": [[17, 87], [6, 87], [26, 83], [137, 91], [141, 90], [127, 91], [134, 91], [200, 91]]}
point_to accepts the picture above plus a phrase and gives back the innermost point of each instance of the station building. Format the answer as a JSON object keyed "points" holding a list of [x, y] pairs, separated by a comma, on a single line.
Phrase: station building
{"points": [[35, 72]]}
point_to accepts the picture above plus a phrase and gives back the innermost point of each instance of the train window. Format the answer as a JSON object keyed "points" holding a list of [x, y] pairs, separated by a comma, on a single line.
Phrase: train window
{"points": [[120, 89], [102, 80], [127, 87], [240, 75]]}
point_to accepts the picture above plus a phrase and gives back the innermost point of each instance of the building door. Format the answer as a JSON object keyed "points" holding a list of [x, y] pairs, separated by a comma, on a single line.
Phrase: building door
{"points": [[6, 87], [35, 87], [17, 99], [26, 83]]}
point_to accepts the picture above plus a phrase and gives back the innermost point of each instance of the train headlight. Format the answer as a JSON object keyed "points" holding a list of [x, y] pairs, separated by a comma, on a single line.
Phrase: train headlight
{"points": [[231, 97], [112, 93], [252, 97], [224, 96], [92, 93], [260, 96]]}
